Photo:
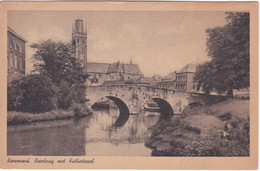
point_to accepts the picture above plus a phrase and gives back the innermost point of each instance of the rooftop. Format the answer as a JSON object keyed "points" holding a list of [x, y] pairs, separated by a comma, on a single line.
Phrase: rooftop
{"points": [[188, 68], [93, 67], [133, 69], [170, 76], [9, 29]]}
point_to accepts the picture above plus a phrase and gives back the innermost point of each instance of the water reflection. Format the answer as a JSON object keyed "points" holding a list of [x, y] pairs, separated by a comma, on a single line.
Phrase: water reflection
{"points": [[121, 120], [126, 140], [95, 135], [49, 139]]}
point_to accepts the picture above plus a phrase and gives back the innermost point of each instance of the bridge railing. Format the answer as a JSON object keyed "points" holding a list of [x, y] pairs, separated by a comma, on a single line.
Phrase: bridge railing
{"points": [[142, 86], [120, 86]]}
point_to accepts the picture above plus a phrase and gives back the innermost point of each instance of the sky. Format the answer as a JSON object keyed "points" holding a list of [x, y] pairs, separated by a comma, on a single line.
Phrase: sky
{"points": [[158, 41]]}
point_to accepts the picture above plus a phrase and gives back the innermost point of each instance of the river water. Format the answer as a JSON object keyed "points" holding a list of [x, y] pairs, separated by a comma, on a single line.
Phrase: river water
{"points": [[95, 135]]}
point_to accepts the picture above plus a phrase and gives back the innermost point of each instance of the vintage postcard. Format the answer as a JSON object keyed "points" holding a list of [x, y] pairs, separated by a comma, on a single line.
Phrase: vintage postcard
{"points": [[129, 85]]}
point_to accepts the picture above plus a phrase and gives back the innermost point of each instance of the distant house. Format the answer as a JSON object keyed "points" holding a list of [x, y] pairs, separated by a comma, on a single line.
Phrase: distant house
{"points": [[181, 80], [184, 78], [170, 85], [15, 54], [168, 82]]}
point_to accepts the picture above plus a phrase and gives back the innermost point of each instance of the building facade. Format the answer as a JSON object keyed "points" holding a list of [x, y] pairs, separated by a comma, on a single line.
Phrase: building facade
{"points": [[79, 41], [181, 80], [169, 85], [168, 82], [184, 78], [15, 54]]}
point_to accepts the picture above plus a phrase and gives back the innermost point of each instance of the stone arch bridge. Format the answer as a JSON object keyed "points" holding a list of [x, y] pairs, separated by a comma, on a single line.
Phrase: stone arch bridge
{"points": [[132, 98]]}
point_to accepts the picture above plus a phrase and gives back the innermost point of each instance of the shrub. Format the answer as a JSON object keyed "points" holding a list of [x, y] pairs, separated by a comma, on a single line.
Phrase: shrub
{"points": [[80, 109], [192, 129], [225, 116], [14, 93], [67, 94], [32, 93]]}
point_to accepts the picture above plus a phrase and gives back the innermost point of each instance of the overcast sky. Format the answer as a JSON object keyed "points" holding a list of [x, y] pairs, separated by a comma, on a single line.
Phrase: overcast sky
{"points": [[160, 42]]}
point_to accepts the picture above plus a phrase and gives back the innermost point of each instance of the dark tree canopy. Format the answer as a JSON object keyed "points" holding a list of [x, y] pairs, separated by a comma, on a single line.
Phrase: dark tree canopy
{"points": [[228, 47], [57, 62]]}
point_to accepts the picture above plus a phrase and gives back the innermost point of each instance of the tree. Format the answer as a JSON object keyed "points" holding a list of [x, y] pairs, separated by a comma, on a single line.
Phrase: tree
{"points": [[228, 47], [203, 77], [31, 93], [56, 61]]}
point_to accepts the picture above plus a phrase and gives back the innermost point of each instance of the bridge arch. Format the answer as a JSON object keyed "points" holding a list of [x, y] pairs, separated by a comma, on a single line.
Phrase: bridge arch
{"points": [[123, 109], [164, 106]]}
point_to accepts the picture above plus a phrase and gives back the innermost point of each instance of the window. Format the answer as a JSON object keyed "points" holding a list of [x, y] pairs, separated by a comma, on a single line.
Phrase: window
{"points": [[11, 44], [74, 41], [22, 49], [21, 63], [17, 47], [15, 61], [18, 63], [83, 41], [77, 40], [11, 59]]}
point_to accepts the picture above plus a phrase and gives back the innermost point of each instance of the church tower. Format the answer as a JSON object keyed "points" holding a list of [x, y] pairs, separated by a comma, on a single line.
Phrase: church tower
{"points": [[79, 41]]}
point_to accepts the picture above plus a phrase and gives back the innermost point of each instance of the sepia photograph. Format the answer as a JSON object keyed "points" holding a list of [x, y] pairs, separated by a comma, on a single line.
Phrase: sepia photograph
{"points": [[136, 83]]}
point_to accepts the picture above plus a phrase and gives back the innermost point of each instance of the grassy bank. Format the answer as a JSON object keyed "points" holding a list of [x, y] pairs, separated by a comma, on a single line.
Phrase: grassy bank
{"points": [[218, 130], [17, 118]]}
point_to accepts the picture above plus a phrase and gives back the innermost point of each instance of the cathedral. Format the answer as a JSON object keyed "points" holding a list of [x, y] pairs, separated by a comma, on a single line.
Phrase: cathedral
{"points": [[100, 72]]}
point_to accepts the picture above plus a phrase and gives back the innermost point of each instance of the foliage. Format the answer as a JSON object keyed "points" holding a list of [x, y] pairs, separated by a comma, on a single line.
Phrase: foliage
{"points": [[203, 77], [59, 82], [219, 130], [56, 61], [228, 47], [32, 93], [67, 94], [80, 109], [14, 93]]}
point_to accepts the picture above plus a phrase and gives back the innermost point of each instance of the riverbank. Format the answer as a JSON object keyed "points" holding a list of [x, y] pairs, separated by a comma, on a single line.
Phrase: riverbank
{"points": [[218, 130], [18, 118]]}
